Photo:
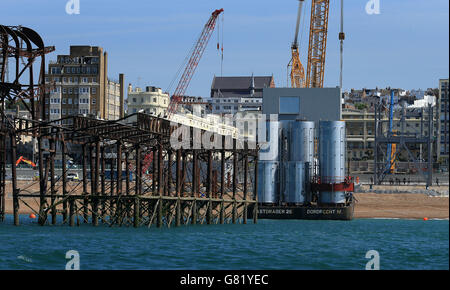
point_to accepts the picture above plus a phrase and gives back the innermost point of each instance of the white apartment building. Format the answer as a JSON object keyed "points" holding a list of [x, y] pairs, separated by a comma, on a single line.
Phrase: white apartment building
{"points": [[151, 101]]}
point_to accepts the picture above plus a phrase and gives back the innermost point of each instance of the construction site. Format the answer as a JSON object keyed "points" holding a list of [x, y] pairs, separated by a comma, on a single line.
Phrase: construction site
{"points": [[133, 175]]}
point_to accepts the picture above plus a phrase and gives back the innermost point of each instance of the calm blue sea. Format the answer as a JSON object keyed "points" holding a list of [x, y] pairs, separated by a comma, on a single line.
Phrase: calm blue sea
{"points": [[270, 244]]}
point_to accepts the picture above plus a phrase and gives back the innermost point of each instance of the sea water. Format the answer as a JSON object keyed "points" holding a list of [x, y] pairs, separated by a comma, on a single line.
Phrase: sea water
{"points": [[269, 244]]}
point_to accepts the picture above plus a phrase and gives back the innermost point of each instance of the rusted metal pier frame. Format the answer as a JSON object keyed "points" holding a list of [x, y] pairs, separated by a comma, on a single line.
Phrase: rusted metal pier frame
{"points": [[179, 186], [168, 185]]}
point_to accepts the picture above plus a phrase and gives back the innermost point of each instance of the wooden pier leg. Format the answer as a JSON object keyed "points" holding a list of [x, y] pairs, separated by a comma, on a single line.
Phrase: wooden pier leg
{"points": [[160, 170], [112, 202], [14, 179], [194, 173], [155, 171], [64, 177], [127, 173], [136, 219], [119, 168], [194, 212], [121, 203], [183, 173], [127, 178], [96, 180], [235, 174], [52, 177], [169, 173], [244, 218], [85, 181], [178, 188], [222, 181], [2, 177], [160, 186], [255, 191], [209, 189], [71, 212], [93, 178], [103, 185], [42, 185], [138, 185]]}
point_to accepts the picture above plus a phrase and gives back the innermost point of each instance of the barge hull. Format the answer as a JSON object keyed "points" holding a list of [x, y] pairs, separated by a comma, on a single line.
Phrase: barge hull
{"points": [[304, 212]]}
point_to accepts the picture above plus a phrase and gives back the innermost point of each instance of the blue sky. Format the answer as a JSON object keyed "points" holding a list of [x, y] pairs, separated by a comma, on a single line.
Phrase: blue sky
{"points": [[406, 45]]}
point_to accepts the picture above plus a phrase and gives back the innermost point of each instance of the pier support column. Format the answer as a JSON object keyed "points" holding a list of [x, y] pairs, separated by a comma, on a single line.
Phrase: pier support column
{"points": [[119, 168], [64, 176], [244, 217], [136, 219], [85, 180], [71, 212], [209, 189], [15, 191], [52, 176], [255, 191], [103, 185], [235, 174], [222, 181], [178, 188], [93, 179], [42, 185]]}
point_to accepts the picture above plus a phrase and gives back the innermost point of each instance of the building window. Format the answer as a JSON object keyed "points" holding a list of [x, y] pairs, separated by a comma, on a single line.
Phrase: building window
{"points": [[64, 101], [94, 90], [154, 100], [134, 100], [70, 101], [64, 90], [93, 101]]}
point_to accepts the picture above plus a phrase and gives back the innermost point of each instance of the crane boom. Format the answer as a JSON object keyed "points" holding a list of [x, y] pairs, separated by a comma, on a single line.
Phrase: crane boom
{"points": [[317, 43], [297, 70], [192, 63]]}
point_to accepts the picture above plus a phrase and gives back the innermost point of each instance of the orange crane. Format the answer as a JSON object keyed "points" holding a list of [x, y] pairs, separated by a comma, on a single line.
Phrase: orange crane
{"points": [[318, 31], [196, 55]]}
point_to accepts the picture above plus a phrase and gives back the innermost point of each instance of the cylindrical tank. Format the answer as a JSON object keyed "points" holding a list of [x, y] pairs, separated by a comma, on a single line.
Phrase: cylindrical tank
{"points": [[302, 143], [332, 159], [295, 190], [269, 148], [268, 182]]}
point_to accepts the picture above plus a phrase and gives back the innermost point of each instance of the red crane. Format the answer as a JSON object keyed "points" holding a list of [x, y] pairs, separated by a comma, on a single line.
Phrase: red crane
{"points": [[185, 79]]}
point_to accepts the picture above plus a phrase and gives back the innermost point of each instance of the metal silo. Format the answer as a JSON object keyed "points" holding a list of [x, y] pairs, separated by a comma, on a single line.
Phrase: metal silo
{"points": [[269, 148], [268, 182], [295, 178], [302, 142], [332, 159]]}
